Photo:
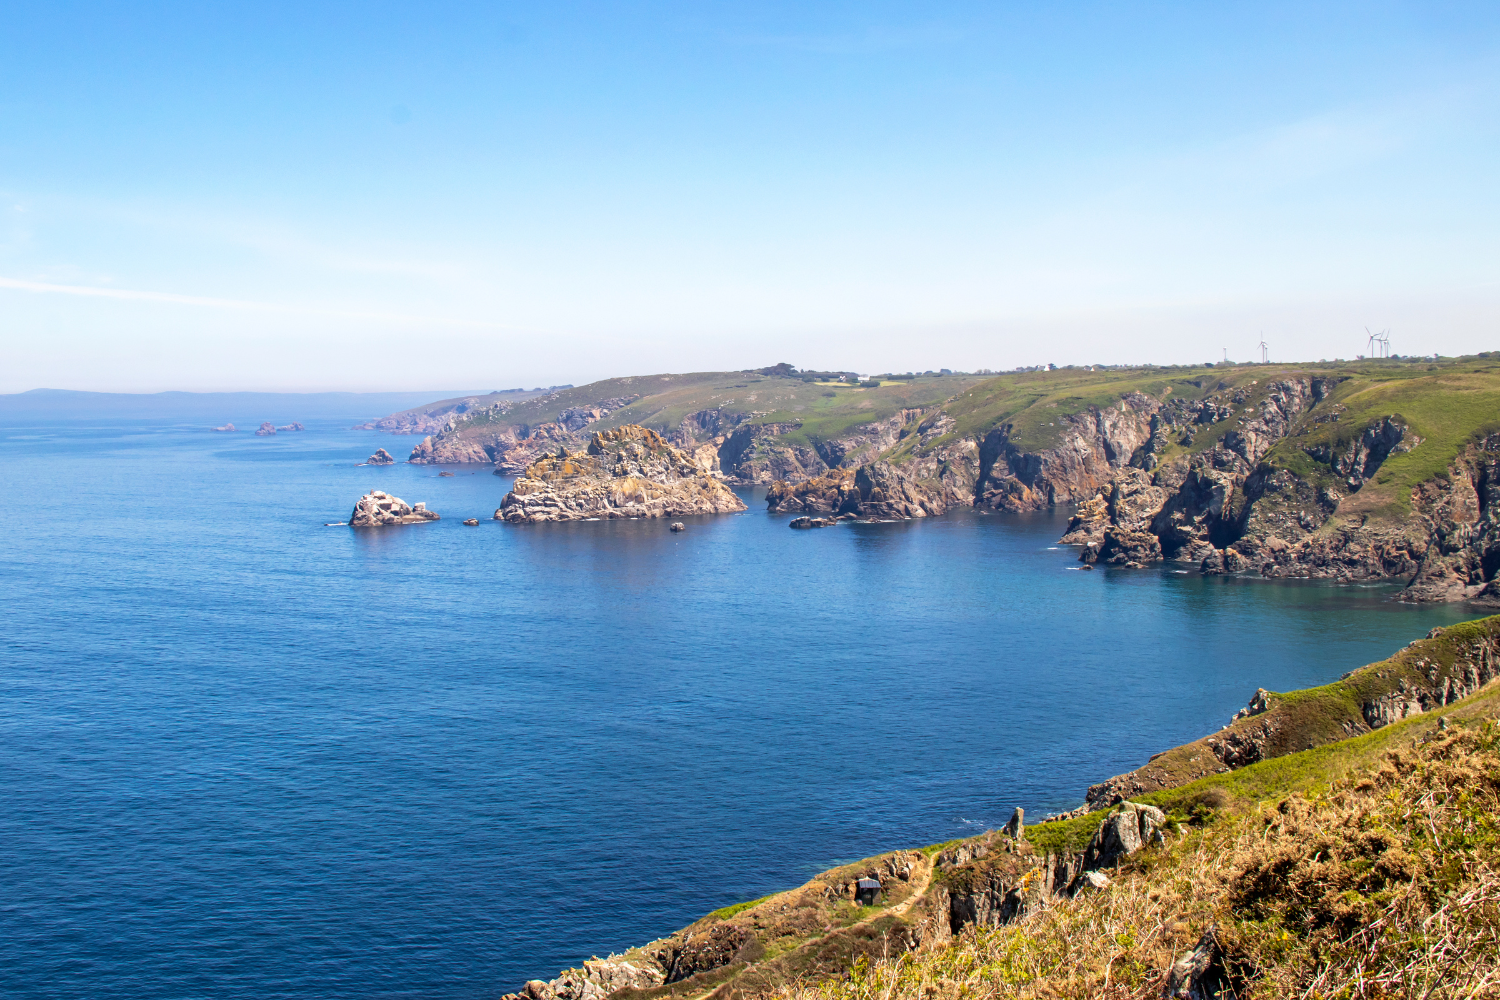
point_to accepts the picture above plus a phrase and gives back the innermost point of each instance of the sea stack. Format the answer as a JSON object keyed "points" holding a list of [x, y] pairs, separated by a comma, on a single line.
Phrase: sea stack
{"points": [[630, 471], [267, 429], [377, 508], [381, 457]]}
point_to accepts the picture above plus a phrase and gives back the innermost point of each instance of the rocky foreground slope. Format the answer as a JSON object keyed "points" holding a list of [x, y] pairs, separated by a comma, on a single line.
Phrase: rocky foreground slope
{"points": [[1268, 871], [628, 472]]}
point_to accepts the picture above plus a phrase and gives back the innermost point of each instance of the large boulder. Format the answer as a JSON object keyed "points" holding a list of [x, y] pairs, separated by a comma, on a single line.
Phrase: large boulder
{"points": [[381, 457], [1128, 828], [377, 509], [630, 471]]}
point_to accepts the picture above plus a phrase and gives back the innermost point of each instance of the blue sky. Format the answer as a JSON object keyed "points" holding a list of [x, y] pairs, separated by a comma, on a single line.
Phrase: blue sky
{"points": [[384, 195]]}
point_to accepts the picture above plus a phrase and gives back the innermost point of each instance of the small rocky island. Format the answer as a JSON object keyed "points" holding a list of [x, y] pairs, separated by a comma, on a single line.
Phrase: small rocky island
{"points": [[630, 471], [377, 508], [381, 457]]}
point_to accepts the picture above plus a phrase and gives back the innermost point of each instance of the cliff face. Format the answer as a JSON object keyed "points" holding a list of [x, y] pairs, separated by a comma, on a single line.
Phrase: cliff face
{"points": [[630, 471], [483, 435], [1095, 445], [1229, 510]]}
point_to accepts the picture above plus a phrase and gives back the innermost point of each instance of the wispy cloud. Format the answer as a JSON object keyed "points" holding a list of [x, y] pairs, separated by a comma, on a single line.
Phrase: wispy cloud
{"points": [[240, 305]]}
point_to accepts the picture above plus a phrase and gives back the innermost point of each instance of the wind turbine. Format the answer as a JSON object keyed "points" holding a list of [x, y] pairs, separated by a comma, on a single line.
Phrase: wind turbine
{"points": [[1380, 343], [1264, 356]]}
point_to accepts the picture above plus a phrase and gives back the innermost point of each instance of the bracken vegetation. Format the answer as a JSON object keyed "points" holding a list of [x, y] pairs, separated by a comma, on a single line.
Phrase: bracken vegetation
{"points": [[1385, 885]]}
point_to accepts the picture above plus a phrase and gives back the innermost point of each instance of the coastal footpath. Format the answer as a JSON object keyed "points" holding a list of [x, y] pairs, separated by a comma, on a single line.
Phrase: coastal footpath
{"points": [[1331, 865], [1382, 469]]}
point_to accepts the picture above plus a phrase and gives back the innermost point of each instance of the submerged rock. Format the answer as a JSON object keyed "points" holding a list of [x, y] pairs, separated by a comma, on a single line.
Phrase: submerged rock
{"points": [[677, 526], [378, 508], [630, 471], [471, 521], [381, 457]]}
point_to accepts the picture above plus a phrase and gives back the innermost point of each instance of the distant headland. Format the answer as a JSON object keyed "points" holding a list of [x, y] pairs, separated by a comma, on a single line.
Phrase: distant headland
{"points": [[1379, 469]]}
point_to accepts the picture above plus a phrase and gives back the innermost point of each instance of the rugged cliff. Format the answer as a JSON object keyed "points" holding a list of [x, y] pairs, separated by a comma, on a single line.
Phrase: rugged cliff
{"points": [[628, 472], [760, 426], [1368, 470], [1315, 477]]}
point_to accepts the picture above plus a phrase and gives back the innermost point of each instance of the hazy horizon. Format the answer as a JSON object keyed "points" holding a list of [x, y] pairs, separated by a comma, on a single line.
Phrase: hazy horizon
{"points": [[365, 197]]}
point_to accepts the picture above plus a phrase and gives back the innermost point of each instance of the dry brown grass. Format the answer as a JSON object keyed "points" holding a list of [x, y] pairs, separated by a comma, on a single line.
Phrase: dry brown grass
{"points": [[1388, 887]]}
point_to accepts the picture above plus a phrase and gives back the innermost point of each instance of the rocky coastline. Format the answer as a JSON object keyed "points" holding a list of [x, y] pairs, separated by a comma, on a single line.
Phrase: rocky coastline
{"points": [[1349, 472]]}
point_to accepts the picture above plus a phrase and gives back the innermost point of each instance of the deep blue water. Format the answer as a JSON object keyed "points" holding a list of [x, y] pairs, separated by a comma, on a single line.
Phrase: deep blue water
{"points": [[245, 754]]}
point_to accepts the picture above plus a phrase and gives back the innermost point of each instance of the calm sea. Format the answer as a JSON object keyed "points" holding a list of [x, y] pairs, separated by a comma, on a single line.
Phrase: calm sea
{"points": [[248, 755]]}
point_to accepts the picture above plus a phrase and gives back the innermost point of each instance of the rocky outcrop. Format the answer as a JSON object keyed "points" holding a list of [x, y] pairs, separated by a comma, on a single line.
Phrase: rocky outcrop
{"points": [[594, 980], [878, 490], [705, 951], [1093, 445], [266, 429], [224, 429], [885, 491], [378, 509], [825, 494], [1129, 827], [291, 427], [381, 457], [812, 522], [629, 472], [1199, 974]]}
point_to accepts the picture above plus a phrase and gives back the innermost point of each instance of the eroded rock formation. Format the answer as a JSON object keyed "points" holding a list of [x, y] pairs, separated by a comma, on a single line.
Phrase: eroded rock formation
{"points": [[630, 471], [378, 508], [381, 457]]}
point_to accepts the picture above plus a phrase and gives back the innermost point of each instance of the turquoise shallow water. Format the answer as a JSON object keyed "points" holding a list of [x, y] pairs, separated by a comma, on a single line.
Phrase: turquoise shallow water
{"points": [[245, 754]]}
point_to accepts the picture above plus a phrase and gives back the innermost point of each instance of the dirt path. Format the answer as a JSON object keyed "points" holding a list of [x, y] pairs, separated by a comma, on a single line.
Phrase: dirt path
{"points": [[917, 889]]}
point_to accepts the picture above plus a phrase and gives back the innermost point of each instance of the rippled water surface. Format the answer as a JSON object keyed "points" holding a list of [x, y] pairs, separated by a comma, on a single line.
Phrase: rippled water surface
{"points": [[245, 754]]}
